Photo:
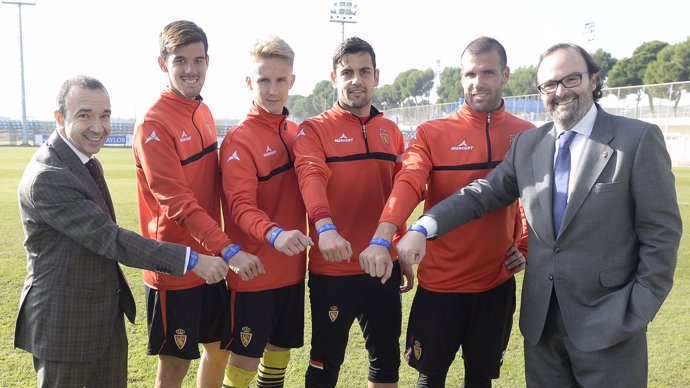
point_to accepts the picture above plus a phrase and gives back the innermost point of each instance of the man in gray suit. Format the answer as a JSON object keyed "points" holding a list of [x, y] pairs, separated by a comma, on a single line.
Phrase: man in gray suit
{"points": [[71, 308], [604, 230]]}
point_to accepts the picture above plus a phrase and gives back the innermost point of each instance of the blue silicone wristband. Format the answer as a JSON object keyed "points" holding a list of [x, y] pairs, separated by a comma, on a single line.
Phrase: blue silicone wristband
{"points": [[418, 228], [193, 259], [231, 252], [324, 228], [380, 241], [274, 235]]}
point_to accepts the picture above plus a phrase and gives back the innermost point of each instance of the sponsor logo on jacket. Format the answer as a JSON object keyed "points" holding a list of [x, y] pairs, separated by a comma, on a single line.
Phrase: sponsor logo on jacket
{"points": [[185, 137], [462, 147], [152, 137], [344, 139], [269, 152]]}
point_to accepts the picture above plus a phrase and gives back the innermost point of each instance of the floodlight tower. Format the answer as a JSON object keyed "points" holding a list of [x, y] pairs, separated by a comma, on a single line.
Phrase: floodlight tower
{"points": [[19, 3], [589, 31], [344, 12]]}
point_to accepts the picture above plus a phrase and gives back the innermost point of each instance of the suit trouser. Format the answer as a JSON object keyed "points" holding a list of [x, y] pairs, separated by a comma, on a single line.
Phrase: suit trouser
{"points": [[555, 361], [108, 371]]}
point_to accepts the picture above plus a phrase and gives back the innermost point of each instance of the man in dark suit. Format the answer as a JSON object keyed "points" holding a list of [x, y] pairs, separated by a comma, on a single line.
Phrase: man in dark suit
{"points": [[71, 308], [604, 230]]}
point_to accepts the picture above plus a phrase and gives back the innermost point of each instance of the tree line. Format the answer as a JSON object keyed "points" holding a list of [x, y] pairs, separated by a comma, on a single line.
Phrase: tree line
{"points": [[653, 62]]}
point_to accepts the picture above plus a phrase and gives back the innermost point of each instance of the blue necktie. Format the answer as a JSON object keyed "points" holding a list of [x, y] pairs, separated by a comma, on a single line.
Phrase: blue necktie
{"points": [[561, 174]]}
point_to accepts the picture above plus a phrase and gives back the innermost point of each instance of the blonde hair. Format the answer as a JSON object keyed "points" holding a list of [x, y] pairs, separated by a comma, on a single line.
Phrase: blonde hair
{"points": [[272, 46]]}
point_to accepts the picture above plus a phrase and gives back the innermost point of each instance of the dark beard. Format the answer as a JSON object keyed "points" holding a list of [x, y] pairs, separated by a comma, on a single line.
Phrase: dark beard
{"points": [[569, 118]]}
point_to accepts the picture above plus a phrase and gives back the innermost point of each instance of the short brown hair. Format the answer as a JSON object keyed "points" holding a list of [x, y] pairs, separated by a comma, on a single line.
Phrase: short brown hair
{"points": [[181, 33]]}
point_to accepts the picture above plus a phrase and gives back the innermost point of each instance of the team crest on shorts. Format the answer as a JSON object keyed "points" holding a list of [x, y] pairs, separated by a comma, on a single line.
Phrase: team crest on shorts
{"points": [[333, 313], [180, 338], [384, 137], [246, 336], [417, 350]]}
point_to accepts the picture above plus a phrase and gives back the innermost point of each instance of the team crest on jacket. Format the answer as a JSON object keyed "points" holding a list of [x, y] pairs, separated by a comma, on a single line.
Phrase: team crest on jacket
{"points": [[180, 338], [385, 139], [417, 347], [333, 313], [246, 336], [510, 139]]}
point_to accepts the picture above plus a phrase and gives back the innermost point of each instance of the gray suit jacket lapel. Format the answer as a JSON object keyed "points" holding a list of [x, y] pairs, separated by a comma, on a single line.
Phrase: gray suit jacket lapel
{"points": [[596, 155], [75, 165], [542, 163]]}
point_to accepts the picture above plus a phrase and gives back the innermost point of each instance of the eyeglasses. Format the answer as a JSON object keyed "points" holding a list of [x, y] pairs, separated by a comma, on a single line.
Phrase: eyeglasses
{"points": [[570, 81]]}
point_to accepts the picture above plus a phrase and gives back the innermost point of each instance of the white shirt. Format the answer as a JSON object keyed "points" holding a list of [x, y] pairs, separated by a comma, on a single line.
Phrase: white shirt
{"points": [[80, 154]]}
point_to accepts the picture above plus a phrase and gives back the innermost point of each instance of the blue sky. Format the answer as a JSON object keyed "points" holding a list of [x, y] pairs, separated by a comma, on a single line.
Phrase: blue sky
{"points": [[117, 41]]}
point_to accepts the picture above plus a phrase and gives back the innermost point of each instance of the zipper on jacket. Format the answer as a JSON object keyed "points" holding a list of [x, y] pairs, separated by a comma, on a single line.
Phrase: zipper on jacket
{"points": [[364, 126], [283, 126], [364, 135], [488, 136], [201, 135]]}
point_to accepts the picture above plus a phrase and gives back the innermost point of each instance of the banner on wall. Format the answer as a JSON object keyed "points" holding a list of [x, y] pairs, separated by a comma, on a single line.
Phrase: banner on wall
{"points": [[112, 140]]}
